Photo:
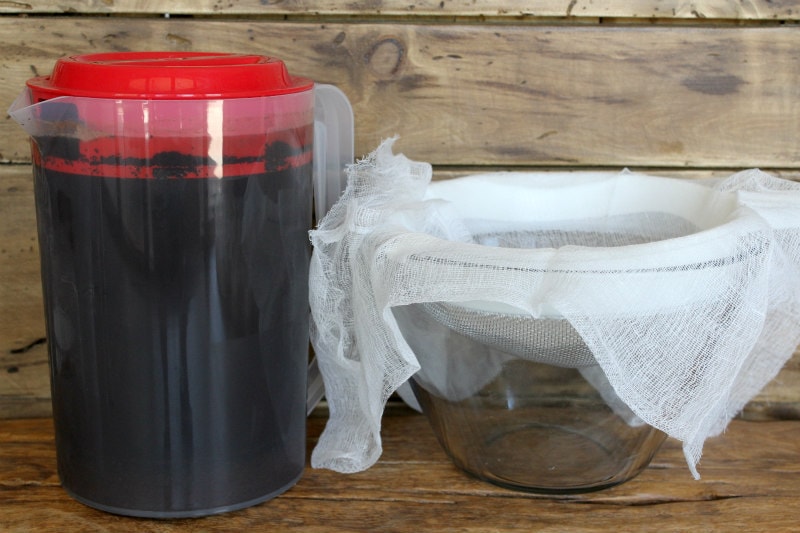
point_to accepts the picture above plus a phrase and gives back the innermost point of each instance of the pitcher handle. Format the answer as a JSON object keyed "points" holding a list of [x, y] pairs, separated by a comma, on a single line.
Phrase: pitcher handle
{"points": [[333, 145], [333, 151]]}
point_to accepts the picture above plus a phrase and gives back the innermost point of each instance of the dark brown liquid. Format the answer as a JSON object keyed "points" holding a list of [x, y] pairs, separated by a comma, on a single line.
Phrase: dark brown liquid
{"points": [[177, 315]]}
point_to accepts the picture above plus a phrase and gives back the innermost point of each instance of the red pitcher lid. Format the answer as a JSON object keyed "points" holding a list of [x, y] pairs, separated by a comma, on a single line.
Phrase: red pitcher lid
{"points": [[167, 76]]}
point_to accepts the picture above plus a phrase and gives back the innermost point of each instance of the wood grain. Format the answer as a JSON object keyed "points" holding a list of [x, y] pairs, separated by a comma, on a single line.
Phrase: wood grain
{"points": [[639, 9], [750, 483], [24, 376], [509, 94]]}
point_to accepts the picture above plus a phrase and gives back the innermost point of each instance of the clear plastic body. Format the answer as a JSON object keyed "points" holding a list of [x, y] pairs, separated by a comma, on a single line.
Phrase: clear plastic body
{"points": [[521, 423], [174, 257]]}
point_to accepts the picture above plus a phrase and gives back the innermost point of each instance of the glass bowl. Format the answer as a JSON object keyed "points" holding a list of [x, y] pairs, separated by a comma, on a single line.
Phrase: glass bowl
{"points": [[541, 419]]}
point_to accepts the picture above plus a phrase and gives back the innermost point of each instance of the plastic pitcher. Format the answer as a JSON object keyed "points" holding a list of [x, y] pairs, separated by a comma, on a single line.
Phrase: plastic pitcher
{"points": [[173, 199]]}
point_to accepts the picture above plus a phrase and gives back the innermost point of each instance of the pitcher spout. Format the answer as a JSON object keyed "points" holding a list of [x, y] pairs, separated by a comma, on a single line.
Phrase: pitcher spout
{"points": [[39, 119]]}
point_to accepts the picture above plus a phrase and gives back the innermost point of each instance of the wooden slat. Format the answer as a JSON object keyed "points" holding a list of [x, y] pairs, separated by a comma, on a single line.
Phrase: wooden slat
{"points": [[495, 94], [24, 377], [750, 483], [665, 9]]}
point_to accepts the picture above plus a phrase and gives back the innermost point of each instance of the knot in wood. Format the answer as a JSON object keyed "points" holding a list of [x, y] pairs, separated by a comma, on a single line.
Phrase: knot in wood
{"points": [[385, 58]]}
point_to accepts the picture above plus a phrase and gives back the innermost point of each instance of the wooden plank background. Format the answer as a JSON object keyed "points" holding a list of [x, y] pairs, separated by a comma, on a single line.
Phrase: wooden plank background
{"points": [[637, 9], [488, 94], [680, 88]]}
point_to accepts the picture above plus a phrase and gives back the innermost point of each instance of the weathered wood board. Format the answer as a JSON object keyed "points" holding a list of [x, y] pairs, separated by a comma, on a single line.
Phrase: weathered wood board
{"points": [[612, 96], [568, 9], [24, 375], [749, 482]]}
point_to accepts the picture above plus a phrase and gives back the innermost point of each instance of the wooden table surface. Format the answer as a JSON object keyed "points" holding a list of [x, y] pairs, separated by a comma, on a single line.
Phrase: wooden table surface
{"points": [[750, 482]]}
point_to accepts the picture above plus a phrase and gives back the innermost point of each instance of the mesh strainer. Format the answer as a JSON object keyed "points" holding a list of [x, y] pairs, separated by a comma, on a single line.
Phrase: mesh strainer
{"points": [[550, 338], [545, 340]]}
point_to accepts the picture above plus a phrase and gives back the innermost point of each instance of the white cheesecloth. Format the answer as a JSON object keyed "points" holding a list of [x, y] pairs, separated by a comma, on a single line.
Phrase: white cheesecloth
{"points": [[686, 294]]}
